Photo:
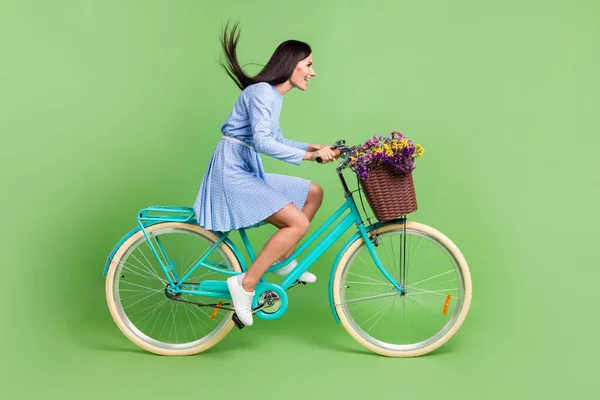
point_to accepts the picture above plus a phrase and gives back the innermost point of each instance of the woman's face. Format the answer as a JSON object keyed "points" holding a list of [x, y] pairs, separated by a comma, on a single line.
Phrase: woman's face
{"points": [[303, 73]]}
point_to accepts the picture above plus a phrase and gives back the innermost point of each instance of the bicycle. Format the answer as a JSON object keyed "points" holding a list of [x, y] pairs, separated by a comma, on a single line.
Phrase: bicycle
{"points": [[399, 288]]}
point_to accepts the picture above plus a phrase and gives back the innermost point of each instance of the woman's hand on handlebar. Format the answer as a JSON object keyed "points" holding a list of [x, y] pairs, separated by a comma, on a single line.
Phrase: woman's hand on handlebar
{"points": [[325, 155]]}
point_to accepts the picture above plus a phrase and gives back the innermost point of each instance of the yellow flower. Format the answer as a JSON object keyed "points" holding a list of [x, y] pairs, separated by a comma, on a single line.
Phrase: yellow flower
{"points": [[378, 150], [389, 153], [352, 158], [419, 150], [386, 147], [403, 143]]}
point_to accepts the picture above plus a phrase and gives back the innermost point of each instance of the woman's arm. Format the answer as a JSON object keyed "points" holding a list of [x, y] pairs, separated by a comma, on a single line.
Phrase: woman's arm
{"points": [[264, 142], [296, 144], [292, 143]]}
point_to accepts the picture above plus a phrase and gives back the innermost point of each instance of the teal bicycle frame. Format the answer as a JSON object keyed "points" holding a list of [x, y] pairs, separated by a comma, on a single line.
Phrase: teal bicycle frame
{"points": [[347, 215]]}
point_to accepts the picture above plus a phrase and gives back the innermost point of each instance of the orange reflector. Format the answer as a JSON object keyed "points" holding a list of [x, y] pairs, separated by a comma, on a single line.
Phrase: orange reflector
{"points": [[446, 305], [216, 310]]}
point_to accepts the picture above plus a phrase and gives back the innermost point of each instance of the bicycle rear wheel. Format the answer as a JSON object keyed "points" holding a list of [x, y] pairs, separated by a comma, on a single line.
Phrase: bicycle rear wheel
{"points": [[437, 294], [138, 301]]}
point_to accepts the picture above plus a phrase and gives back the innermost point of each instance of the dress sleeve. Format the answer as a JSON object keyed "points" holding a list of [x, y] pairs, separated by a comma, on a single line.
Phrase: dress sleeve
{"points": [[288, 142], [259, 112]]}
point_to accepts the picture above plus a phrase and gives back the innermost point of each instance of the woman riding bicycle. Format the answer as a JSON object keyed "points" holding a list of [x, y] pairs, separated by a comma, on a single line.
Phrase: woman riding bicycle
{"points": [[236, 192]]}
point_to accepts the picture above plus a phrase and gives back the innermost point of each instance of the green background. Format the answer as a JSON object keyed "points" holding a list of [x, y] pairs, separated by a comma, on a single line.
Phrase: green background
{"points": [[110, 106]]}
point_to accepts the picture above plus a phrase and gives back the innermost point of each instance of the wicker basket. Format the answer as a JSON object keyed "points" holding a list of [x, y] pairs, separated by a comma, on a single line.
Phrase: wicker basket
{"points": [[390, 193]]}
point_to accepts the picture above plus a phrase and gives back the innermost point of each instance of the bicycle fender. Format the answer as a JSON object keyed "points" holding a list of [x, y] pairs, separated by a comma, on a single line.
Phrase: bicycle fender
{"points": [[342, 251]]}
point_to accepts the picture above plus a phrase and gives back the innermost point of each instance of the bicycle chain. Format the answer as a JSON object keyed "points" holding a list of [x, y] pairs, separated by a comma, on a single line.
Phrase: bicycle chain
{"points": [[203, 304], [176, 298]]}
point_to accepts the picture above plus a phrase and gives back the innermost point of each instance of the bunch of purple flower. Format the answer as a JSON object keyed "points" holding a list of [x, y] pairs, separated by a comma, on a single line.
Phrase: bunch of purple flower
{"points": [[395, 151]]}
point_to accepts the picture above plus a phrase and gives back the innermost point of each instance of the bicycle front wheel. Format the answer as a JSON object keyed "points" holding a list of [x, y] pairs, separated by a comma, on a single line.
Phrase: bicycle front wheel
{"points": [[436, 298], [138, 300]]}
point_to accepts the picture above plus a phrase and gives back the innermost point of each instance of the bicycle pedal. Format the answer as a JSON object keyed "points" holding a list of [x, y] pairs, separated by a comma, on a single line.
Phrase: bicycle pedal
{"points": [[237, 321]]}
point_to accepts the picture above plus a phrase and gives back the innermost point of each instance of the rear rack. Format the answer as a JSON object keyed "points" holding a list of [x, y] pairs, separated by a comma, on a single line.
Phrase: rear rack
{"points": [[166, 214]]}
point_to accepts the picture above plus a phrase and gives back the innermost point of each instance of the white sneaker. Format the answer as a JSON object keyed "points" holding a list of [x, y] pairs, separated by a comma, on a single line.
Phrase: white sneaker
{"points": [[242, 300], [305, 277]]}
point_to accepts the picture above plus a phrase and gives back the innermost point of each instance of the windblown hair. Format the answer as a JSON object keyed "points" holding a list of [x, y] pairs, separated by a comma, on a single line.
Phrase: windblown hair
{"points": [[280, 67]]}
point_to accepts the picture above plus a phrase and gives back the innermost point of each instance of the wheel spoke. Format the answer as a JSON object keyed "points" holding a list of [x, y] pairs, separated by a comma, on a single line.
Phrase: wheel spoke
{"points": [[141, 286], [174, 325], [441, 292], [148, 267], [366, 277], [386, 294], [416, 302], [370, 283], [374, 315], [436, 283], [433, 277], [162, 307], [154, 307], [157, 307], [140, 294], [190, 320], [140, 272]]}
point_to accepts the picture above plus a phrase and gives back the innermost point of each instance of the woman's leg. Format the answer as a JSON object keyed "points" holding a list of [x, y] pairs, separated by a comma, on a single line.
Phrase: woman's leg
{"points": [[293, 225], [314, 199]]}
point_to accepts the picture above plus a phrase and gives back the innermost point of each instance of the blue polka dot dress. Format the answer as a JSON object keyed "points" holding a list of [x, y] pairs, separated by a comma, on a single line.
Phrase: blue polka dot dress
{"points": [[236, 192]]}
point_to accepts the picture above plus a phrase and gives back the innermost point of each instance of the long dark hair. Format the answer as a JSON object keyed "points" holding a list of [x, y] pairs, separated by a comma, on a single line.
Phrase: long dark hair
{"points": [[280, 67]]}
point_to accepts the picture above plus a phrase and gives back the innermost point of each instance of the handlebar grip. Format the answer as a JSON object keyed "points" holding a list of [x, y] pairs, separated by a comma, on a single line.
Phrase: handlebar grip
{"points": [[335, 150]]}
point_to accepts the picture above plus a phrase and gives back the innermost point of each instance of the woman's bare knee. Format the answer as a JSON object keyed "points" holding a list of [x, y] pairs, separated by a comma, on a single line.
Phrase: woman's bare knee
{"points": [[315, 193], [302, 224], [288, 216], [298, 223], [292, 218]]}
